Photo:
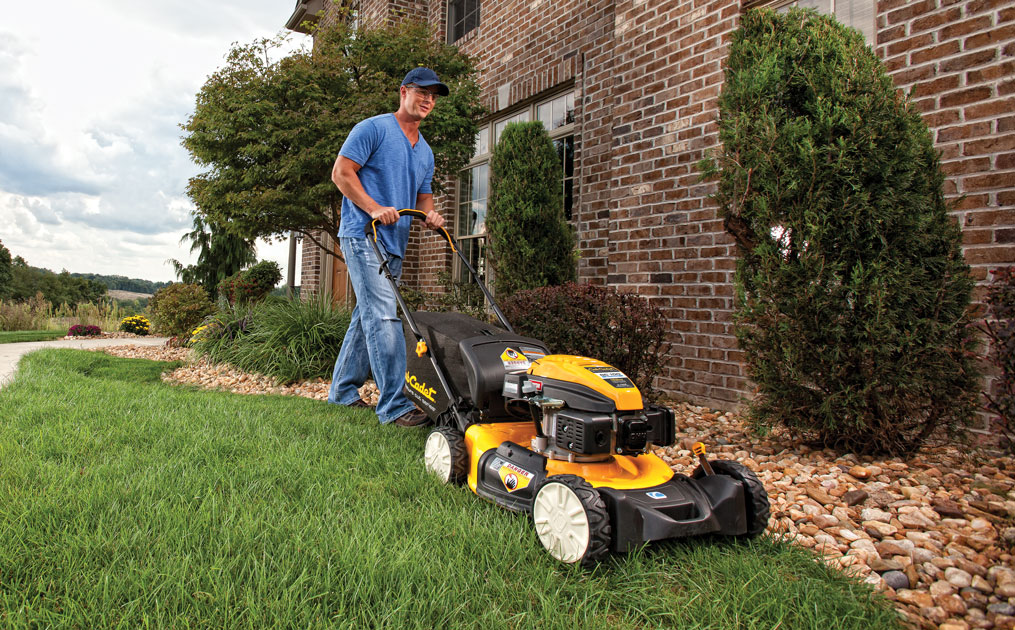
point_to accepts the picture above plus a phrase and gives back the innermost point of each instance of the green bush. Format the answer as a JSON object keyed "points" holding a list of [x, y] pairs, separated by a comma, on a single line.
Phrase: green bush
{"points": [[179, 308], [999, 327], [291, 340], [531, 243], [251, 285], [852, 293], [622, 329]]}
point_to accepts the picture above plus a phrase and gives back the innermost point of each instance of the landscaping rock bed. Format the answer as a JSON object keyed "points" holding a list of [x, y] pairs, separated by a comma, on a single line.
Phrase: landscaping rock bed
{"points": [[935, 532]]}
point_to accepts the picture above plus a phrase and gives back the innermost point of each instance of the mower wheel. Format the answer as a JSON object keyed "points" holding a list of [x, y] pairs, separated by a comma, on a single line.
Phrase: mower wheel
{"points": [[445, 454], [755, 497], [571, 520]]}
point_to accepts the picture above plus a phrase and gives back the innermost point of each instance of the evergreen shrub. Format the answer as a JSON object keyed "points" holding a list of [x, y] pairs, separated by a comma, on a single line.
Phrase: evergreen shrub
{"points": [[251, 285], [999, 327], [531, 243], [179, 308], [622, 329], [852, 293]]}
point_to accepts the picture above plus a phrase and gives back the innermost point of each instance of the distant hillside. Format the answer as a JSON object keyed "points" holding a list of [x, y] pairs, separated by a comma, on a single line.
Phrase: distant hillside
{"points": [[117, 294], [123, 283]]}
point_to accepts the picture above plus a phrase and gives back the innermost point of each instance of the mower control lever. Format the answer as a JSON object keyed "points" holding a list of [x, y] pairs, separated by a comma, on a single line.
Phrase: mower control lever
{"points": [[371, 228], [699, 450]]}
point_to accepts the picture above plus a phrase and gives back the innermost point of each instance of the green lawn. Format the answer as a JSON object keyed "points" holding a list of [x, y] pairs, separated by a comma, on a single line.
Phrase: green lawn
{"points": [[18, 336], [128, 503]]}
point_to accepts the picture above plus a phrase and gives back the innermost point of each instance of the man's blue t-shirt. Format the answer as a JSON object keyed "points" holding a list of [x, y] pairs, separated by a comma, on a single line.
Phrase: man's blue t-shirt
{"points": [[392, 172]]}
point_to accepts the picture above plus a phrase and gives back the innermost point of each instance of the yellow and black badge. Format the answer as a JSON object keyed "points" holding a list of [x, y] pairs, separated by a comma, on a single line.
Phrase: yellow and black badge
{"points": [[514, 361], [513, 477]]}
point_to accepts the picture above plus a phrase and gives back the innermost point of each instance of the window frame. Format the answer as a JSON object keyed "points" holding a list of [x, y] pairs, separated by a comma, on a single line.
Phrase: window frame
{"points": [[779, 5], [530, 111], [451, 18]]}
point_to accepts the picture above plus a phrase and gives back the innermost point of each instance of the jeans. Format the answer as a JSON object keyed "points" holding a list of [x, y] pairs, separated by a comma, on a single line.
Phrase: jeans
{"points": [[374, 342]]}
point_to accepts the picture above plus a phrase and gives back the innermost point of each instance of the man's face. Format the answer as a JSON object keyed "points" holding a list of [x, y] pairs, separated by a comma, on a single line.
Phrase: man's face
{"points": [[418, 101]]}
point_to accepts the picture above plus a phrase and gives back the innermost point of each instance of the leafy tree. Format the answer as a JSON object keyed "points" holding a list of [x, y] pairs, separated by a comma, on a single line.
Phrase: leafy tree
{"points": [[6, 272], [62, 288], [220, 255], [852, 293], [268, 131], [531, 243]]}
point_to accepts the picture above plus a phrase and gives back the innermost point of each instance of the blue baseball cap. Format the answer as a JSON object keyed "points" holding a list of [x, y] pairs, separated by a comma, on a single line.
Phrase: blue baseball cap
{"points": [[425, 77]]}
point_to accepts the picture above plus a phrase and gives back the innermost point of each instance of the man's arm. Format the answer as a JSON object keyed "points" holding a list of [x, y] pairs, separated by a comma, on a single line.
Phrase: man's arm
{"points": [[424, 203], [345, 174]]}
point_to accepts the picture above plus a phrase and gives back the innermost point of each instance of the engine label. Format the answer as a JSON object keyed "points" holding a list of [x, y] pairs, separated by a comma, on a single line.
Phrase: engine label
{"points": [[513, 477], [611, 375], [514, 361]]}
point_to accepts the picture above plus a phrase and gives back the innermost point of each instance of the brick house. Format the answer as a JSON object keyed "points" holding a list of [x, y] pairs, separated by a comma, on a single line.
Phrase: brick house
{"points": [[628, 90]]}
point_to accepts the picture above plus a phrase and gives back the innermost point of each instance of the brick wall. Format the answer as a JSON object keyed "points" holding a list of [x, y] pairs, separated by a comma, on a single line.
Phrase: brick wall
{"points": [[647, 76], [957, 60]]}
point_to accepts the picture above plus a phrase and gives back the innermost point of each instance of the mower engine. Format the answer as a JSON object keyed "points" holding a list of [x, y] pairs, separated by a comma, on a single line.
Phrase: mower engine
{"points": [[585, 410]]}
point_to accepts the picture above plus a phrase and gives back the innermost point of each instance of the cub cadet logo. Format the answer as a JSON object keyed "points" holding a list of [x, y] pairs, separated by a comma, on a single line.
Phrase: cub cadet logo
{"points": [[426, 392]]}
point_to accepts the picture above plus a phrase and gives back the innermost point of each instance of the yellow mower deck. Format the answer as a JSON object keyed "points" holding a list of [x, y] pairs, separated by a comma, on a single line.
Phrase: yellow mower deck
{"points": [[622, 472]]}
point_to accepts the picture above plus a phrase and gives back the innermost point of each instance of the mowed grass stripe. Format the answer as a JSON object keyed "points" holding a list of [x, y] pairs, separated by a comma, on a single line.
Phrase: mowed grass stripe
{"points": [[128, 503]]}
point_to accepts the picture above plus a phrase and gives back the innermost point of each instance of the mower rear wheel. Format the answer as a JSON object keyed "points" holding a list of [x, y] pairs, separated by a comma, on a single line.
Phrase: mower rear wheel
{"points": [[571, 520], [444, 454], [755, 496]]}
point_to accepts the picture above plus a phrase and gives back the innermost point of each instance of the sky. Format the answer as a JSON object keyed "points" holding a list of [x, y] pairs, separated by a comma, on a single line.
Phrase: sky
{"points": [[92, 173]]}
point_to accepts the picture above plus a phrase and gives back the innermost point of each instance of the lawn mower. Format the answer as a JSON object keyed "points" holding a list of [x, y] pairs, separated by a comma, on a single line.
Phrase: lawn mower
{"points": [[567, 439]]}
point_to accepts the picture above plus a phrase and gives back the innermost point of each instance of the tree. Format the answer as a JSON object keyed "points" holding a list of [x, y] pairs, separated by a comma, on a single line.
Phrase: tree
{"points": [[531, 243], [6, 273], [220, 255], [268, 131], [852, 294]]}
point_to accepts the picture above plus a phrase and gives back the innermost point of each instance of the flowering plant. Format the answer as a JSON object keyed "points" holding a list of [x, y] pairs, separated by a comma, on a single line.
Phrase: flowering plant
{"points": [[136, 324], [84, 331]]}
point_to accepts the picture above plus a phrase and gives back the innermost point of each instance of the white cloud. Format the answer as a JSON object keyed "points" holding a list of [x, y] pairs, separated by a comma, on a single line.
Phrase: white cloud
{"points": [[92, 174]]}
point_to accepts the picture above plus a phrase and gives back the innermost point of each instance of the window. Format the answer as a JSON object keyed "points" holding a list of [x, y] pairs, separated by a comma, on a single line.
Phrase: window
{"points": [[557, 116], [858, 14], [463, 16]]}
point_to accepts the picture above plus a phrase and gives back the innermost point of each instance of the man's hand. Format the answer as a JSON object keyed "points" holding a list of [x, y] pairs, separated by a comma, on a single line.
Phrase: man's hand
{"points": [[434, 220], [385, 214]]}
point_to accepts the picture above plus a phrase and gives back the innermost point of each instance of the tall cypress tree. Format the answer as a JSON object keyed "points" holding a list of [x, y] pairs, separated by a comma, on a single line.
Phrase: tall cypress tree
{"points": [[852, 294], [531, 243]]}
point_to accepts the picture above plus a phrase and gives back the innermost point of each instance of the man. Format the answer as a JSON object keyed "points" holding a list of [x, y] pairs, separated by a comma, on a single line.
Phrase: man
{"points": [[385, 164]]}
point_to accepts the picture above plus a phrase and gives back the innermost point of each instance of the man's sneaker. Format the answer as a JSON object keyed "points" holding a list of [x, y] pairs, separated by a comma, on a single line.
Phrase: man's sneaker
{"points": [[414, 418], [359, 403]]}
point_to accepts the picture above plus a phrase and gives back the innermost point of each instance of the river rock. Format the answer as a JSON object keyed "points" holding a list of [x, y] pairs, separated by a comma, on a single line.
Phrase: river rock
{"points": [[855, 497], [953, 604], [878, 529], [914, 597], [895, 579], [916, 520], [1002, 609], [859, 472], [891, 547], [982, 585], [874, 514], [958, 578]]}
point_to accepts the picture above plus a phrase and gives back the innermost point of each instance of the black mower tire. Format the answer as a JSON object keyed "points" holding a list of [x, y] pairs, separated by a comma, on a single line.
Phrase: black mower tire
{"points": [[444, 454], [596, 518], [755, 495]]}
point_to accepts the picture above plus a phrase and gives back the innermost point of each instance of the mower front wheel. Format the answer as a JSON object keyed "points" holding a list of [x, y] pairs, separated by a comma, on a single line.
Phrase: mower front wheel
{"points": [[444, 454], [571, 520], [755, 496]]}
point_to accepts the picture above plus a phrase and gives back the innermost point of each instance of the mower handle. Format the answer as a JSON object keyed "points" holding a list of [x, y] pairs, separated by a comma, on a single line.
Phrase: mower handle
{"points": [[371, 228]]}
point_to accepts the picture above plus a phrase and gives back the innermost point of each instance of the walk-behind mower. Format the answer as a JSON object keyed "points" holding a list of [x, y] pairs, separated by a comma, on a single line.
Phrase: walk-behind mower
{"points": [[565, 438]]}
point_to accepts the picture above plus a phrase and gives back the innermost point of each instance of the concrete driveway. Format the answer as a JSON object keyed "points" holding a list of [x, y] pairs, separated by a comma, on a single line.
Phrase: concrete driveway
{"points": [[11, 353]]}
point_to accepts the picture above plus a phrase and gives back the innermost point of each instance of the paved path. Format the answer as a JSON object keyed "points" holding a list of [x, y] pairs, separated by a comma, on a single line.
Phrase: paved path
{"points": [[11, 353]]}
